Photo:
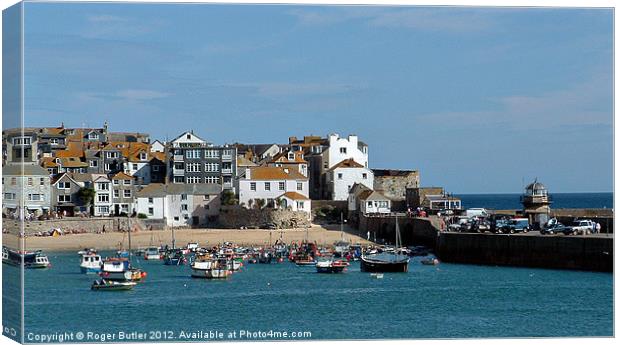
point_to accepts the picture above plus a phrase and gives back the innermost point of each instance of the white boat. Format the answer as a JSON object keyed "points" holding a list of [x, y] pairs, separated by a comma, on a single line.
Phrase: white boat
{"points": [[40, 261], [119, 269], [209, 268], [90, 263]]}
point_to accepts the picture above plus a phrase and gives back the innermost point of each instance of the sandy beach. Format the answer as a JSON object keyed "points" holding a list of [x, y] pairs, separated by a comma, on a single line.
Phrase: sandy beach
{"points": [[112, 240]]}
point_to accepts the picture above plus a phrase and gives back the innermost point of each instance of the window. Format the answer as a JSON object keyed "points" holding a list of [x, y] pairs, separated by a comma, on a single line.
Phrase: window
{"points": [[54, 141], [343, 150], [21, 141], [42, 181], [193, 154], [183, 196], [179, 166], [93, 136], [125, 208], [193, 167], [103, 197], [370, 204], [151, 211], [64, 185], [127, 182], [64, 198], [112, 154], [36, 197], [13, 181], [179, 179], [103, 186], [280, 185], [193, 179], [127, 193], [30, 181], [184, 207], [142, 156], [104, 209], [212, 179], [93, 164], [300, 186], [134, 166], [9, 196], [212, 167], [365, 176], [3, 181], [150, 200], [176, 219], [155, 167], [252, 185], [300, 205], [107, 166], [267, 186], [291, 156], [116, 182], [116, 193], [206, 197], [212, 153], [340, 176]]}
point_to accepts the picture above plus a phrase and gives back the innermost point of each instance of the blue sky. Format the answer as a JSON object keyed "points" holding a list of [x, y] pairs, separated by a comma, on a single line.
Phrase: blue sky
{"points": [[477, 99]]}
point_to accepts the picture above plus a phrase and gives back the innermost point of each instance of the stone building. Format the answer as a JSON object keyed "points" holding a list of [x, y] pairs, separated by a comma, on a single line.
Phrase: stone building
{"points": [[64, 192], [394, 183], [26, 189]]}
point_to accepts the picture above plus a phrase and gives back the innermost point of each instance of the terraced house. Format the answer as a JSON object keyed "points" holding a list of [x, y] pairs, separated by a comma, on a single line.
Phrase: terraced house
{"points": [[192, 160], [274, 187]]}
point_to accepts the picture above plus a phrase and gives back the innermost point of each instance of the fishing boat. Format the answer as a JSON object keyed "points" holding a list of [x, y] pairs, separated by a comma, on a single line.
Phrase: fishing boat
{"points": [[331, 266], [152, 253], [386, 261], [90, 262], [36, 260], [264, 257], [119, 269], [110, 285], [309, 261], [210, 268], [174, 257]]}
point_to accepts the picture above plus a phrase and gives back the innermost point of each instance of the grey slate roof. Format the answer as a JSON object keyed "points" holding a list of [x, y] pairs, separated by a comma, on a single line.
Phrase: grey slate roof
{"points": [[160, 189]]}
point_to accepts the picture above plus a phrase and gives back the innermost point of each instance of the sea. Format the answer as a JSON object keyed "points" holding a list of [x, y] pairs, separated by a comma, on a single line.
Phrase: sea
{"points": [[559, 200], [281, 301]]}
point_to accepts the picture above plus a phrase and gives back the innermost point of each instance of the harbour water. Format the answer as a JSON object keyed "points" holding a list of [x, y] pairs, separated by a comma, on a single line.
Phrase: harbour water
{"points": [[560, 200], [445, 301]]}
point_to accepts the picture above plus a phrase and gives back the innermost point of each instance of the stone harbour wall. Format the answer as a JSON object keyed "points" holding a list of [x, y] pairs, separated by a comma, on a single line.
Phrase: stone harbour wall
{"points": [[235, 217], [73, 225]]}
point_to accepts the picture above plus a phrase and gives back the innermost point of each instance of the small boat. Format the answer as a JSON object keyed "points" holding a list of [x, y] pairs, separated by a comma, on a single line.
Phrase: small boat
{"points": [[331, 266], [430, 261], [174, 257], [121, 270], [152, 253], [306, 262], [90, 262], [40, 261], [386, 261], [210, 268], [86, 251], [5, 256], [108, 285], [264, 257], [377, 275]]}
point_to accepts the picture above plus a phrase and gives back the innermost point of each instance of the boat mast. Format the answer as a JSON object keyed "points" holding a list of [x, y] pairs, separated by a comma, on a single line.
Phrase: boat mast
{"points": [[341, 227], [129, 240], [173, 241], [397, 244]]}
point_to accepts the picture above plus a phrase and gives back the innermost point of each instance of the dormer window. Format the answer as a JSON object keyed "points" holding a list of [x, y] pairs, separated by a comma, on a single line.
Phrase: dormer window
{"points": [[93, 136], [343, 150], [291, 156], [188, 136], [142, 156]]}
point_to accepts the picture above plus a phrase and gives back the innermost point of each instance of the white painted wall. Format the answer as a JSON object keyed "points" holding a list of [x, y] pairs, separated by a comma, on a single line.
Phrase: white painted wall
{"points": [[246, 194], [333, 154], [339, 187], [374, 206], [142, 205]]}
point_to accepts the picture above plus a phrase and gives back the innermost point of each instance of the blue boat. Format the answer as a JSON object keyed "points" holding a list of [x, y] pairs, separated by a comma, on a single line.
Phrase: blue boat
{"points": [[174, 257]]}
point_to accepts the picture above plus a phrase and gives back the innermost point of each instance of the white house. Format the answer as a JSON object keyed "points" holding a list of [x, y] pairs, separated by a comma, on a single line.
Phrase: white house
{"points": [[364, 200], [340, 149], [296, 202], [180, 205], [103, 195], [340, 178], [270, 184], [158, 146], [138, 165]]}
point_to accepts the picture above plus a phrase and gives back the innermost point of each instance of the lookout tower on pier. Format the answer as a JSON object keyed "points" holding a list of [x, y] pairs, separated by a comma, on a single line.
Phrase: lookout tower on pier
{"points": [[536, 201]]}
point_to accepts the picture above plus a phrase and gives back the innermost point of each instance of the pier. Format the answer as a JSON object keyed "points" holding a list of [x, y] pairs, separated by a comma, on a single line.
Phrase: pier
{"points": [[578, 252]]}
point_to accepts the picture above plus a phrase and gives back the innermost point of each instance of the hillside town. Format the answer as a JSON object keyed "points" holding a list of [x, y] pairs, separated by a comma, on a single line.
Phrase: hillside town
{"points": [[187, 181]]}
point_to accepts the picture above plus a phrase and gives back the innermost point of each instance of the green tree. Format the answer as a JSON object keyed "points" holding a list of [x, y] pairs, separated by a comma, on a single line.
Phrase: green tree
{"points": [[86, 196], [229, 198]]}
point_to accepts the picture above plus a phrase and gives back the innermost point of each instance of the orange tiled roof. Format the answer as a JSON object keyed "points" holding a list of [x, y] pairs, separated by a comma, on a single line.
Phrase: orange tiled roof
{"points": [[48, 162], [275, 173], [295, 196], [72, 162], [282, 157], [122, 176], [347, 163]]}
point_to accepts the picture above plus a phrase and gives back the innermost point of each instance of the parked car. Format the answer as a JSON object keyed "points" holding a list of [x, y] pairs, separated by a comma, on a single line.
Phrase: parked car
{"points": [[583, 226], [557, 228], [515, 225]]}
